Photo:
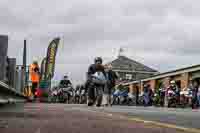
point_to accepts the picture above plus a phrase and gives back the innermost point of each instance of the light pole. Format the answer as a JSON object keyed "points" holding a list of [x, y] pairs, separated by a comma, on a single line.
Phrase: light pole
{"points": [[22, 72]]}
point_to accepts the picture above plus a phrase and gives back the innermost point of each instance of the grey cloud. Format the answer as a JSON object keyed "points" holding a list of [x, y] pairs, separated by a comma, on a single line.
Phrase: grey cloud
{"points": [[163, 34]]}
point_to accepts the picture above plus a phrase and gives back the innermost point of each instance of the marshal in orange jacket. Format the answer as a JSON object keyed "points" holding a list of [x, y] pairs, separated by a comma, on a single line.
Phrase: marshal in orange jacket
{"points": [[34, 73]]}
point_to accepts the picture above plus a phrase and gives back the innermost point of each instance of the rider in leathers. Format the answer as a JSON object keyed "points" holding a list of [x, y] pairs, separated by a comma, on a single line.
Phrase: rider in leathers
{"points": [[65, 82], [96, 67]]}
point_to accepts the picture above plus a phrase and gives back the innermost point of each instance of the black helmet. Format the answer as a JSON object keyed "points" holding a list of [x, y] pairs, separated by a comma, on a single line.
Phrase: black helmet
{"points": [[65, 77], [98, 59]]}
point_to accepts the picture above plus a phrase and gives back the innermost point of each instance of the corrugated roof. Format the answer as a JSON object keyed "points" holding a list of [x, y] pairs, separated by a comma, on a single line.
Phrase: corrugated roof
{"points": [[171, 73], [180, 69], [125, 63]]}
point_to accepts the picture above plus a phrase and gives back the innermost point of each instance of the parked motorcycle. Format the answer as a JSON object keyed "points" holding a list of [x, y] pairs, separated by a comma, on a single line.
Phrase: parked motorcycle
{"points": [[131, 99], [172, 98], [124, 98], [83, 97], [65, 94], [121, 98], [54, 96], [185, 97], [159, 97], [77, 97], [116, 97], [141, 99]]}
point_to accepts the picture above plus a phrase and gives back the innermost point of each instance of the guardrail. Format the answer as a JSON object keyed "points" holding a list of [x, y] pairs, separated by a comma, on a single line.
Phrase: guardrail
{"points": [[9, 94]]}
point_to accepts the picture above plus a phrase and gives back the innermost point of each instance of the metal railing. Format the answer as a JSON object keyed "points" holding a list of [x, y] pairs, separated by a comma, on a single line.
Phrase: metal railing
{"points": [[9, 94], [14, 93]]}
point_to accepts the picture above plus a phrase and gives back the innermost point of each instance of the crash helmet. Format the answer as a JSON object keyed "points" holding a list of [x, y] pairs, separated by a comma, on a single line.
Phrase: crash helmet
{"points": [[98, 60], [35, 62], [65, 77], [172, 82]]}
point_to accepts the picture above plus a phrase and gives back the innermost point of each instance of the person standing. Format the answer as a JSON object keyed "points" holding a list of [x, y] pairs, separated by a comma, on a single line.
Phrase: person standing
{"points": [[195, 87], [151, 94], [111, 80], [146, 98], [198, 96], [96, 67], [162, 95], [35, 76], [137, 95]]}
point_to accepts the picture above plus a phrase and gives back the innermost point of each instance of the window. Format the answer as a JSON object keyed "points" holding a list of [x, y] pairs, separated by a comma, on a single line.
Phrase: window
{"points": [[129, 76]]}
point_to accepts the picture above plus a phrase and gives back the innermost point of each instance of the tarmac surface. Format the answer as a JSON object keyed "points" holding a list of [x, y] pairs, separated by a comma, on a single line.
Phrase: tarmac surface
{"points": [[62, 118], [176, 116]]}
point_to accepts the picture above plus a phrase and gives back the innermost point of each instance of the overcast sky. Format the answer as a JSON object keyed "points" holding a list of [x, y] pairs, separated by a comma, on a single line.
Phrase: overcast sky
{"points": [[163, 34]]}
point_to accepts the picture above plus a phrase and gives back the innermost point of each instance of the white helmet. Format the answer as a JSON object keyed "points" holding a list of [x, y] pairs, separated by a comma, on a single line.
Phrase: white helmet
{"points": [[172, 82]]}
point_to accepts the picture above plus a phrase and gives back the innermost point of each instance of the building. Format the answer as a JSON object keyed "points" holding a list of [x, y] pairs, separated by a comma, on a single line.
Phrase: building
{"points": [[182, 76], [3, 56], [130, 70], [11, 72]]}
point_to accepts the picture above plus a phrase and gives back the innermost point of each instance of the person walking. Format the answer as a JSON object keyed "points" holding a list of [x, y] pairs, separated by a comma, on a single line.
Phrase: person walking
{"points": [[96, 67], [111, 80]]}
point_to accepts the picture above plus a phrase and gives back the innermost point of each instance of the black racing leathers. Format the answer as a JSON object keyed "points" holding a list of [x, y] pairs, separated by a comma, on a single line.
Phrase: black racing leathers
{"points": [[92, 70]]}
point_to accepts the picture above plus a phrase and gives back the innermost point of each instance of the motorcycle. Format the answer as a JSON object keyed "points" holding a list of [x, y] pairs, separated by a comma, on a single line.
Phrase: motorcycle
{"points": [[185, 97], [172, 98], [141, 99], [54, 96], [121, 98], [116, 97], [159, 98], [80, 97], [124, 98], [131, 99], [83, 97], [65, 94], [77, 97]]}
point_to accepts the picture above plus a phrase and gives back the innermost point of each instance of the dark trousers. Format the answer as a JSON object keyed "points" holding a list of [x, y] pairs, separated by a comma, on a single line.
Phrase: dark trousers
{"points": [[194, 102], [34, 87], [91, 92], [108, 90], [137, 98]]}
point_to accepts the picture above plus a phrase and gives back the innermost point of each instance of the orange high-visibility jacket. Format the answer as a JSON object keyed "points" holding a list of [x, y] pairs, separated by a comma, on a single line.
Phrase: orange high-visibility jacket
{"points": [[35, 77]]}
